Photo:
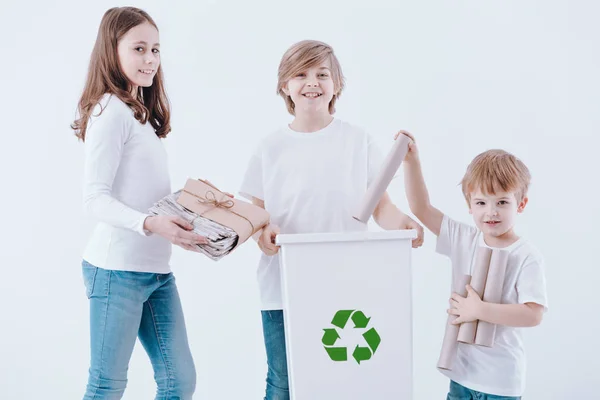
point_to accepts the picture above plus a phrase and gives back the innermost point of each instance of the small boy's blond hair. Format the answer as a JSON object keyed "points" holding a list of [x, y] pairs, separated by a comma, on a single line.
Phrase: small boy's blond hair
{"points": [[302, 56], [496, 171]]}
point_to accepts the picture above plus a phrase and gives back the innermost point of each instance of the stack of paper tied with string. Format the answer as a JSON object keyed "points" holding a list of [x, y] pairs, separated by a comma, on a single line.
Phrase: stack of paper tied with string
{"points": [[226, 222]]}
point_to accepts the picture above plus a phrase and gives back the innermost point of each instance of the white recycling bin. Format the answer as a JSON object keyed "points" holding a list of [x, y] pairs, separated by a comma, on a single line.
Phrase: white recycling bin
{"points": [[348, 314]]}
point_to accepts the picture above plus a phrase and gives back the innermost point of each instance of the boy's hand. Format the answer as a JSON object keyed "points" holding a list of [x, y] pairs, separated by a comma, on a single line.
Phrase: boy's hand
{"points": [[413, 152], [266, 241], [466, 308], [409, 223]]}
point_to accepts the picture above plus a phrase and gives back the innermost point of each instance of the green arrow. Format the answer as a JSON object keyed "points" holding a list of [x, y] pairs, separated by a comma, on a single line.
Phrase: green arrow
{"points": [[337, 353], [372, 338], [360, 319], [341, 317], [361, 354], [330, 336]]}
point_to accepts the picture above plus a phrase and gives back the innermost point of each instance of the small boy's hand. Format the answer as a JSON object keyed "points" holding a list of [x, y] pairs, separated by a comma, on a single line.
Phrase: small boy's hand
{"points": [[413, 152], [409, 223], [466, 308], [266, 242]]}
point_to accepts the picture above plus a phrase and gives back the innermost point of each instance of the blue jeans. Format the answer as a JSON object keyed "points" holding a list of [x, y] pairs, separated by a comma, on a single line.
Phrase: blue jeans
{"points": [[459, 392], [125, 305], [277, 376]]}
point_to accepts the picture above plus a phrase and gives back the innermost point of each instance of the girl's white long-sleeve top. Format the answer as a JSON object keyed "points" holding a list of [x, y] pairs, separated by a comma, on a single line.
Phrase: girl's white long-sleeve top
{"points": [[126, 172]]}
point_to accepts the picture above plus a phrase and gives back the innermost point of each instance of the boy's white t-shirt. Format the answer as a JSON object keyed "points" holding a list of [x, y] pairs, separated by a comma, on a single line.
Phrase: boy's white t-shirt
{"points": [[309, 182], [499, 370]]}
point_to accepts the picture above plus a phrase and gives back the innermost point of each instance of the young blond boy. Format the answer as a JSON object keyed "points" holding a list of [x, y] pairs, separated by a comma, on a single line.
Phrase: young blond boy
{"points": [[495, 188]]}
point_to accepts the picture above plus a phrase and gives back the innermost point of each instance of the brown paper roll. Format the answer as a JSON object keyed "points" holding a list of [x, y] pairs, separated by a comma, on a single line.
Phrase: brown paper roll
{"points": [[450, 345], [486, 332], [467, 331], [382, 180]]}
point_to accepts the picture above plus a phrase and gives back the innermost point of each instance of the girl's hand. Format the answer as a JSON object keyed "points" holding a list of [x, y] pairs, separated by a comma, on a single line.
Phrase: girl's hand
{"points": [[176, 230]]}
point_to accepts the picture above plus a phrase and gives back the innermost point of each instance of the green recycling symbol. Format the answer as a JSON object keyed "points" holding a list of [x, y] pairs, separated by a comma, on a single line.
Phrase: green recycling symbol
{"points": [[331, 335]]}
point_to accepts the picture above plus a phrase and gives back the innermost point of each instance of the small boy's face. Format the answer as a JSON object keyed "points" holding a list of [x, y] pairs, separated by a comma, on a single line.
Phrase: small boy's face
{"points": [[495, 214], [311, 90]]}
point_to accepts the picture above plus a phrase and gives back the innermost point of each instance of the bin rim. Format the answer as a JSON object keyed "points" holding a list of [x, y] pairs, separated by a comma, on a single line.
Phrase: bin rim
{"points": [[407, 234]]}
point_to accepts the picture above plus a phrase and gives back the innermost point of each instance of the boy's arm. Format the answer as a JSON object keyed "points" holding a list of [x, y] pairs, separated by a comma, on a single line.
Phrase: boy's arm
{"points": [[416, 190], [266, 236], [389, 217], [517, 315], [258, 202], [472, 308]]}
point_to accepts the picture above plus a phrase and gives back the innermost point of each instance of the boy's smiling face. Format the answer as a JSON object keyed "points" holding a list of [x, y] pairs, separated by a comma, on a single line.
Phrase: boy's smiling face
{"points": [[311, 90], [495, 214]]}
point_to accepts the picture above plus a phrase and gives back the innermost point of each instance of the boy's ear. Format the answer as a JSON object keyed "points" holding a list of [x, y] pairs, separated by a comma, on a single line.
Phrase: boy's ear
{"points": [[285, 90], [522, 204]]}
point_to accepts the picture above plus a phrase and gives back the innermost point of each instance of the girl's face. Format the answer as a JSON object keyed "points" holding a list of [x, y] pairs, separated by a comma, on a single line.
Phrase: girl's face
{"points": [[139, 55]]}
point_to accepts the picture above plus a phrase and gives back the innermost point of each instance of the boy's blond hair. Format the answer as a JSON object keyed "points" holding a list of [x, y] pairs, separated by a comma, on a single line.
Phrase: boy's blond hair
{"points": [[302, 56], [496, 171]]}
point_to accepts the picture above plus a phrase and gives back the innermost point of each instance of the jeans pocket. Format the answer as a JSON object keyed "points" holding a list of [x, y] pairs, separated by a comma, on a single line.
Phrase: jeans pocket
{"points": [[89, 277]]}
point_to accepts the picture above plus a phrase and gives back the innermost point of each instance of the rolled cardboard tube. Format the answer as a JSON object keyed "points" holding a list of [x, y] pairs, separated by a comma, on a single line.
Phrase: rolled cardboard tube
{"points": [[467, 331], [450, 344], [383, 179], [486, 332]]}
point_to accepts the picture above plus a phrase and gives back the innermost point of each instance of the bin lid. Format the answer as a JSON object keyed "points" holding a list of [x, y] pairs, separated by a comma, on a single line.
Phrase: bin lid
{"points": [[408, 234]]}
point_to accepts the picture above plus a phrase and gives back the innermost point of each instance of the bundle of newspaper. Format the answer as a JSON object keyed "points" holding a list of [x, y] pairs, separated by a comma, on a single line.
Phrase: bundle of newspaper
{"points": [[221, 239]]}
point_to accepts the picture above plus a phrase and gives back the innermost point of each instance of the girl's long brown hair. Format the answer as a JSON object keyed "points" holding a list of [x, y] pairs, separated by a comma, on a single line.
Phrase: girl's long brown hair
{"points": [[105, 76]]}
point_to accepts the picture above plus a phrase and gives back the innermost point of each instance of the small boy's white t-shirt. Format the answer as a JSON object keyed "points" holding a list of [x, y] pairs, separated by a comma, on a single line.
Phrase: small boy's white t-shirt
{"points": [[499, 370], [310, 183]]}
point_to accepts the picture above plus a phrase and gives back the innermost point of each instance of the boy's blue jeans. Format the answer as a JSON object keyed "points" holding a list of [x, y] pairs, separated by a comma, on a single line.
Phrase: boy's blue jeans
{"points": [[277, 376], [459, 392], [126, 305]]}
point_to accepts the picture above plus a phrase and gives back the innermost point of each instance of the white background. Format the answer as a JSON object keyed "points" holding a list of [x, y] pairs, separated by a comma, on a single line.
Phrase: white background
{"points": [[463, 76]]}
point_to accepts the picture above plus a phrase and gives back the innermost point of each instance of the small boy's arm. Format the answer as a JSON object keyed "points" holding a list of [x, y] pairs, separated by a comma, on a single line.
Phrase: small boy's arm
{"points": [[418, 197], [472, 308], [515, 315]]}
